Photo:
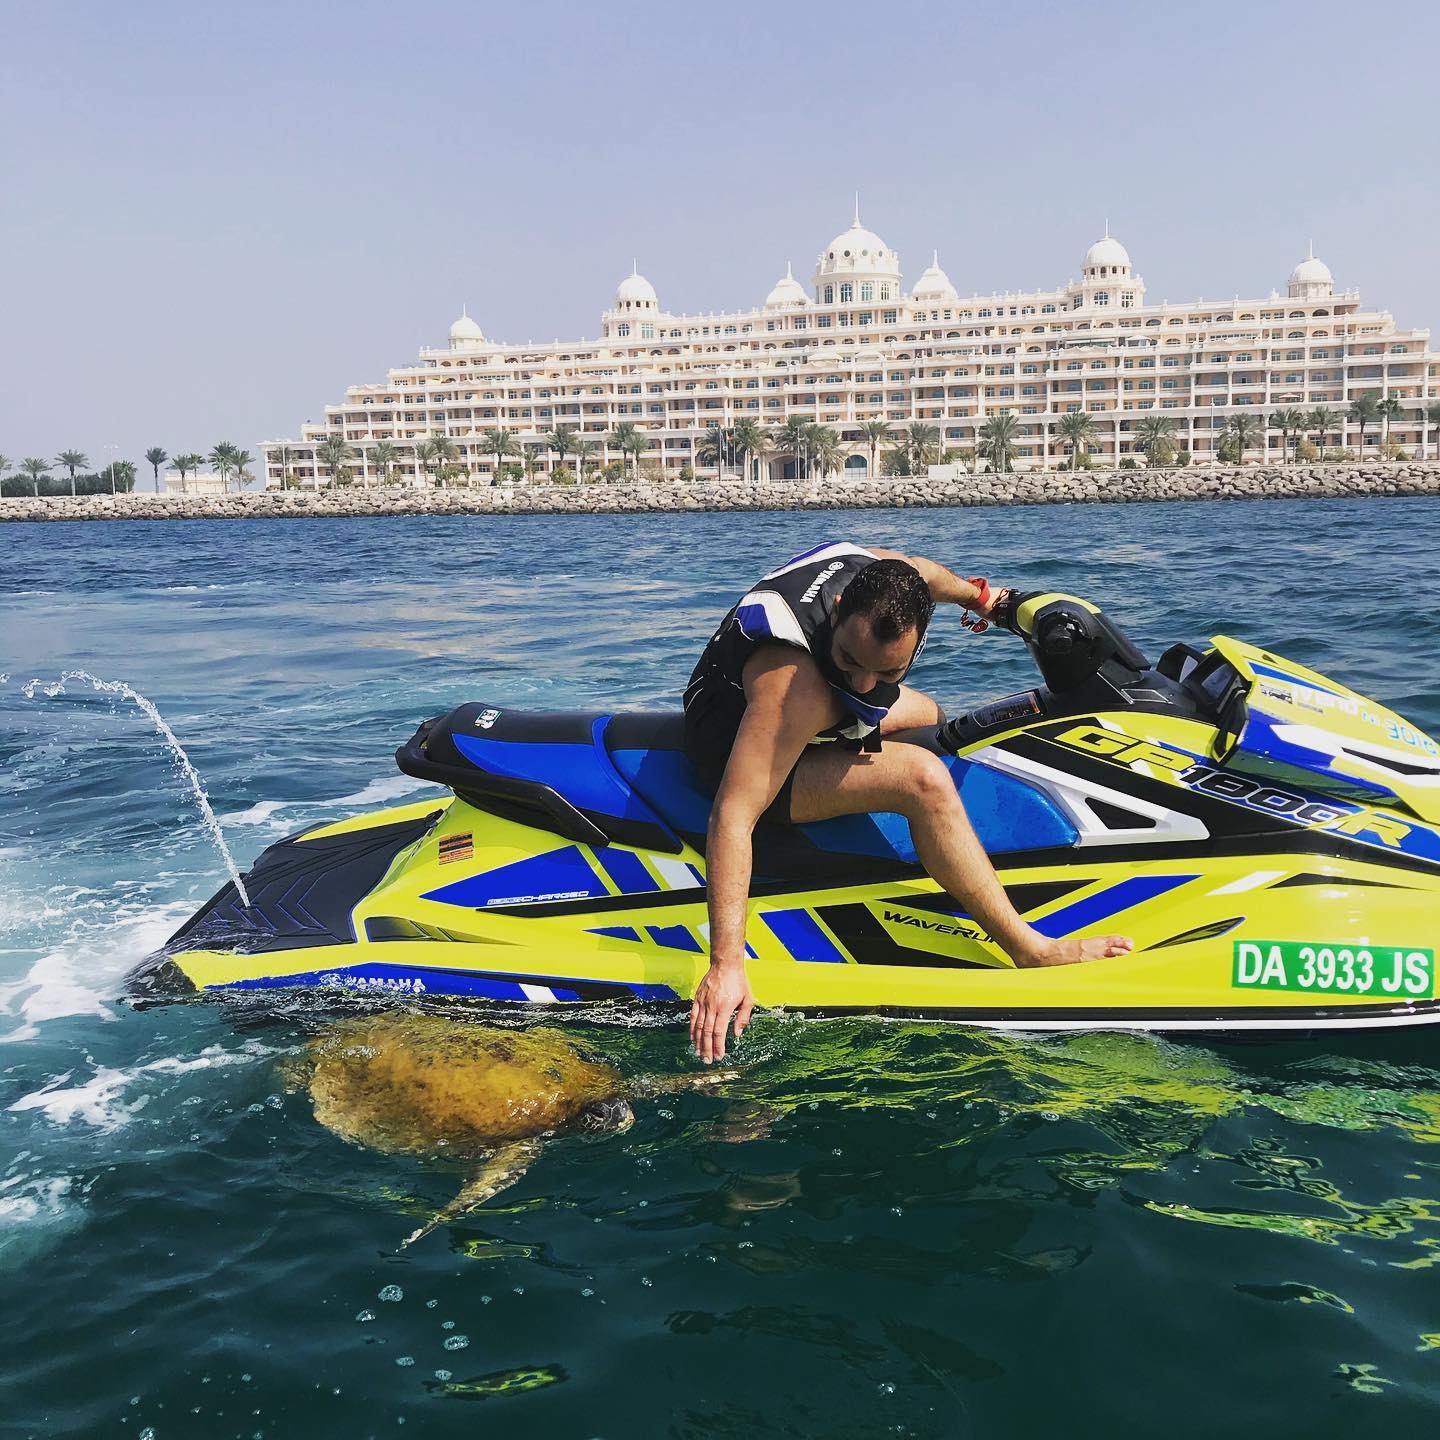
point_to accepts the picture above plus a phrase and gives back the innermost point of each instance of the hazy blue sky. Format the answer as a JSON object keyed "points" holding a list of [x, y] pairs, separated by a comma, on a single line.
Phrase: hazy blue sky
{"points": [[217, 218]]}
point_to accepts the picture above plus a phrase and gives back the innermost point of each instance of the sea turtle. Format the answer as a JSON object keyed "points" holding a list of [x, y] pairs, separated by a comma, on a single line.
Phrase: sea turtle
{"points": [[424, 1084]]}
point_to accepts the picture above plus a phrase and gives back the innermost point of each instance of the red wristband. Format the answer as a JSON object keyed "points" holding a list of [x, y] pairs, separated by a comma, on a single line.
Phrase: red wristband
{"points": [[983, 586]]}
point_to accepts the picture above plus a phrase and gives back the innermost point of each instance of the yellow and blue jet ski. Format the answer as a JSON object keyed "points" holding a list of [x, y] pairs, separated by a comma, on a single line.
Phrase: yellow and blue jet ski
{"points": [[1269, 839]]}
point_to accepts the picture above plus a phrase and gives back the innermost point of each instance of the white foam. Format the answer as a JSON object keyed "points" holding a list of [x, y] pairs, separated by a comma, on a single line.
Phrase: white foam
{"points": [[79, 976], [392, 787], [34, 1211], [258, 814], [99, 1101]]}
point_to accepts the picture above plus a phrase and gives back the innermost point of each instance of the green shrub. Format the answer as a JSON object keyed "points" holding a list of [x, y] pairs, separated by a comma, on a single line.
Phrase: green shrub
{"points": [[687, 472], [614, 472], [1306, 451], [652, 472], [1396, 452], [1183, 457], [562, 475], [1127, 462]]}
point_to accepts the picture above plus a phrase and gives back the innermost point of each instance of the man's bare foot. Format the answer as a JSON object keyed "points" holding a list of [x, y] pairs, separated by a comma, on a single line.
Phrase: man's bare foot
{"points": [[1072, 952]]}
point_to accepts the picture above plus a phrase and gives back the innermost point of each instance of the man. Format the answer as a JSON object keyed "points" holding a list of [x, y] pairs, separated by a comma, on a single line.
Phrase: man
{"points": [[784, 714]]}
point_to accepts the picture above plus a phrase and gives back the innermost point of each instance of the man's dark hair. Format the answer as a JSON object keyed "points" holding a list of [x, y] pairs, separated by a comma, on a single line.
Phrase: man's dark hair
{"points": [[891, 595]]}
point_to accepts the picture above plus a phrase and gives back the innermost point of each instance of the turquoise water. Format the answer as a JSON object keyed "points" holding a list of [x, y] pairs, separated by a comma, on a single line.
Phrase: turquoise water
{"points": [[881, 1228]]}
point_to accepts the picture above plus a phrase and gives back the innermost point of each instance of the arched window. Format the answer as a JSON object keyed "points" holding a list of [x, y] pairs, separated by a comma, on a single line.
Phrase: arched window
{"points": [[829, 294], [885, 291], [867, 290], [847, 292], [622, 329], [1102, 297]]}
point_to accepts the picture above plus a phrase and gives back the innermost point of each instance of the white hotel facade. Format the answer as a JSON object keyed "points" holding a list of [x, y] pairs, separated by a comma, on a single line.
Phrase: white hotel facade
{"points": [[858, 347]]}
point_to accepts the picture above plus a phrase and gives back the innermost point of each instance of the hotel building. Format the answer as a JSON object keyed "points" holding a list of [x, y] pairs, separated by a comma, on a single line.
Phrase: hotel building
{"points": [[857, 346]]}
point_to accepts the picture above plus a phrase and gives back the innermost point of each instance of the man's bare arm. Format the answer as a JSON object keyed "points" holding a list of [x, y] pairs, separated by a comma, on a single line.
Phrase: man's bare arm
{"points": [[946, 587], [787, 703]]}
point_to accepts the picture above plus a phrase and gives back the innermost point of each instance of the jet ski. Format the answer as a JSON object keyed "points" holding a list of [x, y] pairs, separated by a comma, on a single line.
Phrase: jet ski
{"points": [[1268, 838]]}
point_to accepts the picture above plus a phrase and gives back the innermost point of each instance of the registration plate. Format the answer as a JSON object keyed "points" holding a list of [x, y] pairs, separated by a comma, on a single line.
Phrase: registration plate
{"points": [[1334, 969]]}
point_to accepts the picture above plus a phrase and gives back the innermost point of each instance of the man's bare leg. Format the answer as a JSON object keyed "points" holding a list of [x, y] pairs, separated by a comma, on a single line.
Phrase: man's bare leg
{"points": [[916, 784]]}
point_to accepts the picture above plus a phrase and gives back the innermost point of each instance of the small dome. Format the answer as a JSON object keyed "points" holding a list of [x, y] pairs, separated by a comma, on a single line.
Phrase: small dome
{"points": [[1311, 271], [465, 330], [934, 284], [635, 289], [1107, 251], [788, 291]]}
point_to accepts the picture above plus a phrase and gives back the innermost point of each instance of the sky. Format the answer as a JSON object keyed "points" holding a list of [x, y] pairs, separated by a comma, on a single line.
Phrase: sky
{"points": [[217, 218]]}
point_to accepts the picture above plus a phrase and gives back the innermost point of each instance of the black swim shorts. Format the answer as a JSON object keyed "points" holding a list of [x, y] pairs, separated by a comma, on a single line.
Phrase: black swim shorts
{"points": [[712, 721]]}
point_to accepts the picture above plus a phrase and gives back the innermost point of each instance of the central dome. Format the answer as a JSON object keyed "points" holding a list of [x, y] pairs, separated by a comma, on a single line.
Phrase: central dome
{"points": [[1107, 251], [858, 251], [635, 289]]}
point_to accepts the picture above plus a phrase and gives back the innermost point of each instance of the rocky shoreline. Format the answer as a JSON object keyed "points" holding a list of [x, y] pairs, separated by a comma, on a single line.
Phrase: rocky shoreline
{"points": [[1048, 488]]}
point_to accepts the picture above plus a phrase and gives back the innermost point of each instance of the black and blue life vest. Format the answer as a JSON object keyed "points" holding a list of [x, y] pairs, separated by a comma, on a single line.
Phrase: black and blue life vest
{"points": [[795, 605]]}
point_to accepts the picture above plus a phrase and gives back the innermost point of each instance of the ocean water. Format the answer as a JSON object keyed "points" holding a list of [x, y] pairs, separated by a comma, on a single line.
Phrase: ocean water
{"points": [[879, 1229]]}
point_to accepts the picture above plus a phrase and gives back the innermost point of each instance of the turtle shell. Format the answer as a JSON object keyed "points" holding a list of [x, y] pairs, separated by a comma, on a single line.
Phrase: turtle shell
{"points": [[424, 1084]]}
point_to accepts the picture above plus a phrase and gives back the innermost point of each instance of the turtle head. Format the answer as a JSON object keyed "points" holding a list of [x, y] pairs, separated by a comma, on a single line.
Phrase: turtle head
{"points": [[612, 1113]]}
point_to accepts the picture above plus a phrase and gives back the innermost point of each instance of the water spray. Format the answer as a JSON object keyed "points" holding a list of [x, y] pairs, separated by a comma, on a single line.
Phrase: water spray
{"points": [[182, 760]]}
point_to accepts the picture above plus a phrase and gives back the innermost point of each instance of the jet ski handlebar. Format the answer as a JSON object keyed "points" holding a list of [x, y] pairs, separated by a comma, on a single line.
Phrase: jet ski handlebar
{"points": [[1072, 641]]}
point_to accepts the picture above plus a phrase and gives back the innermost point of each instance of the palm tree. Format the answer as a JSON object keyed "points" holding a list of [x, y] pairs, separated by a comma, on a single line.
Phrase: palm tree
{"points": [[628, 440], [1241, 434], [1319, 419], [560, 440], [242, 459], [713, 448], [1075, 428], [997, 436], [1364, 410], [924, 444], [122, 475], [1432, 415], [530, 458], [826, 449], [181, 464], [5, 465], [791, 439], [1288, 422], [1154, 432], [583, 449], [438, 454], [382, 456], [750, 442], [876, 433], [72, 460], [500, 443], [333, 453], [1390, 409], [157, 457], [37, 470], [222, 457]]}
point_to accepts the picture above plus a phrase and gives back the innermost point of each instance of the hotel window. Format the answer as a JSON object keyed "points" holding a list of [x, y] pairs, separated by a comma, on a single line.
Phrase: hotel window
{"points": [[1127, 299], [867, 290], [822, 322], [1102, 297], [847, 292], [829, 294], [800, 322], [647, 332], [984, 314], [845, 318], [888, 317], [1047, 309], [865, 318]]}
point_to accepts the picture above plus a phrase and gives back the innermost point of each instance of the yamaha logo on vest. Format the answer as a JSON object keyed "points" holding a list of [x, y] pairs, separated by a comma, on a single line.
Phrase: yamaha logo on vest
{"points": [[819, 580]]}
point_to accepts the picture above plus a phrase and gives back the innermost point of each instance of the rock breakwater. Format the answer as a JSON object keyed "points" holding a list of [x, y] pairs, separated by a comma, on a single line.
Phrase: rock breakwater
{"points": [[1048, 488]]}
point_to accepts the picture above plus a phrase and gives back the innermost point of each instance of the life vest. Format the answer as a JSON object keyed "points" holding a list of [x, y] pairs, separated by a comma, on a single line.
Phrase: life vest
{"points": [[796, 605]]}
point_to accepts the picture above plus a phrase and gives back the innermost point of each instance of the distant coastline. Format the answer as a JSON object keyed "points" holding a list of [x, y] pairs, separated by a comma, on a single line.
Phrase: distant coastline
{"points": [[1047, 488]]}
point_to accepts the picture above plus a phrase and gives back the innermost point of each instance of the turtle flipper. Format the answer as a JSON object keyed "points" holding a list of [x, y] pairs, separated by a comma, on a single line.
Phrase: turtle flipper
{"points": [[501, 1169], [647, 1086]]}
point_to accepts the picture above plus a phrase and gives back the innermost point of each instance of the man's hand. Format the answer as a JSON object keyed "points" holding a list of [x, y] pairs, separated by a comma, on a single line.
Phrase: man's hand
{"points": [[723, 991]]}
